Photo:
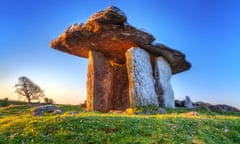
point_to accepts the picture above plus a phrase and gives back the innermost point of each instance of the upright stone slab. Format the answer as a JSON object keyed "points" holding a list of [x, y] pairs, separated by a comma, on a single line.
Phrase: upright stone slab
{"points": [[162, 74], [188, 103], [140, 76], [99, 82], [120, 99]]}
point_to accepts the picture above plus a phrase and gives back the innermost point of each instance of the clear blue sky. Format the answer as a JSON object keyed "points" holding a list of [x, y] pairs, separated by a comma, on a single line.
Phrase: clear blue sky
{"points": [[207, 31]]}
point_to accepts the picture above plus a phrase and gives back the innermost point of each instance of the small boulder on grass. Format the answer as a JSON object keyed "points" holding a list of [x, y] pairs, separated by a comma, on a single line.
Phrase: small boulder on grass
{"points": [[73, 112], [38, 111], [57, 111]]}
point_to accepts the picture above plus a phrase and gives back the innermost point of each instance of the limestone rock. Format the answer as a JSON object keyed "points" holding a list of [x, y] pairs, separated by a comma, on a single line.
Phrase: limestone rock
{"points": [[106, 32], [57, 111], [42, 109], [120, 98], [175, 58], [112, 15], [109, 33], [188, 103], [99, 82], [140, 76], [162, 74]]}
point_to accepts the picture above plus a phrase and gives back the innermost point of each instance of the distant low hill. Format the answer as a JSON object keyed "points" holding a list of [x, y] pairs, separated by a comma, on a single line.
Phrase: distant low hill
{"points": [[4, 103]]}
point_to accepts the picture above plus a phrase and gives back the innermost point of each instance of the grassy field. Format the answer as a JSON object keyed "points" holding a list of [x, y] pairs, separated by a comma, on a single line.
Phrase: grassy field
{"points": [[17, 125]]}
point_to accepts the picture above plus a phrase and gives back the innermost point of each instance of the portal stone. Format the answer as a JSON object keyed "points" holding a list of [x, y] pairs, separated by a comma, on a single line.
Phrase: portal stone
{"points": [[188, 102], [120, 99], [99, 82], [164, 89], [140, 76]]}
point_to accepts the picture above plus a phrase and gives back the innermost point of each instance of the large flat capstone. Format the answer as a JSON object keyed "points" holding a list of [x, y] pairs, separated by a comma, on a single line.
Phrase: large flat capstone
{"points": [[109, 33]]}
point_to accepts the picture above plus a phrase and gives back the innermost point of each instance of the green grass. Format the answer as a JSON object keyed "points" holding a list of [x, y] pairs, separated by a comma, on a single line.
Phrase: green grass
{"points": [[17, 125]]}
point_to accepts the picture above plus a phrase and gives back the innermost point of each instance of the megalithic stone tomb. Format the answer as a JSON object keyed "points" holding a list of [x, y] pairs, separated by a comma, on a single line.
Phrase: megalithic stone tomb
{"points": [[125, 68]]}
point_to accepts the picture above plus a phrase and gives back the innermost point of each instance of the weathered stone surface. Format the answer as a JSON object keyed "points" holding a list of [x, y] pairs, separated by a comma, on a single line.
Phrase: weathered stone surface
{"points": [[175, 58], [188, 102], [120, 98], [42, 109], [108, 32], [112, 15], [140, 76], [99, 82], [162, 74], [57, 111]]}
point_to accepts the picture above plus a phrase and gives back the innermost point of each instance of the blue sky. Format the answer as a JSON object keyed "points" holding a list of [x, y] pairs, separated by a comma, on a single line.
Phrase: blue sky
{"points": [[207, 31]]}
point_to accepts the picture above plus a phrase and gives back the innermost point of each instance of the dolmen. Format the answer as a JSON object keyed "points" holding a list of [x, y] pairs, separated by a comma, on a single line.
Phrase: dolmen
{"points": [[125, 68]]}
